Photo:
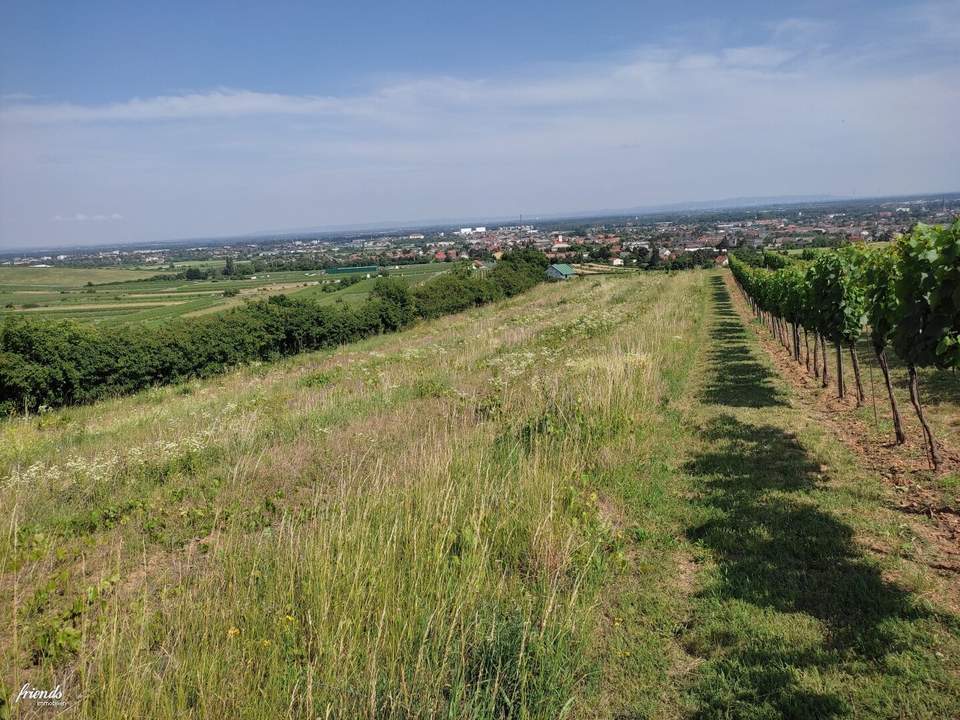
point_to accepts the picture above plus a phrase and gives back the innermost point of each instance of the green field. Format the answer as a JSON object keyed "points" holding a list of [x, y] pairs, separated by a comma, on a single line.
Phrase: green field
{"points": [[799, 251], [112, 295], [598, 499]]}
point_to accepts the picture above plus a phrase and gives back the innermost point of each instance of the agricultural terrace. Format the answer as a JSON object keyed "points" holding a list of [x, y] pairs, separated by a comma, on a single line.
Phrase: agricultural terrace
{"points": [[114, 296], [595, 499]]}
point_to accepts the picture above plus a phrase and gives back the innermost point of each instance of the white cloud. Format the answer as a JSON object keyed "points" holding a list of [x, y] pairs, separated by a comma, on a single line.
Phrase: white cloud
{"points": [[795, 30], [757, 56], [84, 217], [939, 20], [650, 75], [645, 75], [218, 103], [787, 115], [15, 97]]}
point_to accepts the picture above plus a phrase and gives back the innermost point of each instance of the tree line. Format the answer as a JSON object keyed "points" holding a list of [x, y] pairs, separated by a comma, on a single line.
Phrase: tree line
{"points": [[64, 362], [233, 268], [905, 295]]}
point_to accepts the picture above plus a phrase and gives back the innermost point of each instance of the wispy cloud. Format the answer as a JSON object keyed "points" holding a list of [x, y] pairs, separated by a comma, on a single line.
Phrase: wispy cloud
{"points": [[941, 20], [217, 103], [84, 217], [646, 75], [653, 75], [797, 112], [15, 97]]}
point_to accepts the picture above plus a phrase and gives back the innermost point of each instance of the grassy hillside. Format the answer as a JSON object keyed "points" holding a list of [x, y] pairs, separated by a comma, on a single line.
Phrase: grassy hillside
{"points": [[593, 500]]}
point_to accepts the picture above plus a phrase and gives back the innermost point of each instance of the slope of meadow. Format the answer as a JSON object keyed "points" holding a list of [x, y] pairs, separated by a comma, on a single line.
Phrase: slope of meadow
{"points": [[403, 525], [592, 500]]}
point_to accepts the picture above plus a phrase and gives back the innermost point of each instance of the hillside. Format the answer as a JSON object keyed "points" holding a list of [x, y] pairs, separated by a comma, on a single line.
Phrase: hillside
{"points": [[596, 499]]}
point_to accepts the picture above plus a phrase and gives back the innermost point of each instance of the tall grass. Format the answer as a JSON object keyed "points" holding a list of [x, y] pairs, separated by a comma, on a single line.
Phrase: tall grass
{"points": [[415, 534]]}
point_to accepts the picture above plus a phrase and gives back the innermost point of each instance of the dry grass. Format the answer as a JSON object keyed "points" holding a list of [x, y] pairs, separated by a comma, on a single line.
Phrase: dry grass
{"points": [[596, 500], [397, 528]]}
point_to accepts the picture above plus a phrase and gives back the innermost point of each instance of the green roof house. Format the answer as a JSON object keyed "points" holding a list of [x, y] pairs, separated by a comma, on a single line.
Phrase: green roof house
{"points": [[560, 271]]}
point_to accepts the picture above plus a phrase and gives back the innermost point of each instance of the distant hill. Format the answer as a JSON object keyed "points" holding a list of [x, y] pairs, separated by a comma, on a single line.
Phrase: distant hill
{"points": [[739, 202]]}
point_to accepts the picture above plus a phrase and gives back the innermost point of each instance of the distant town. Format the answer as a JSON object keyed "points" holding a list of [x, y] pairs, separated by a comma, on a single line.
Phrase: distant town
{"points": [[671, 238]]}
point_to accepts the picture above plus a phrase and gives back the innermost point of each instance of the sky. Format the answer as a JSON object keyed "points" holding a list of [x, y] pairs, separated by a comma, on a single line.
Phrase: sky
{"points": [[135, 122]]}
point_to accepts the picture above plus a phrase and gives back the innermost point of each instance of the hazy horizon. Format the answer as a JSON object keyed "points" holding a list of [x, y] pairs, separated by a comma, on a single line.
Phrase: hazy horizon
{"points": [[410, 224], [125, 125]]}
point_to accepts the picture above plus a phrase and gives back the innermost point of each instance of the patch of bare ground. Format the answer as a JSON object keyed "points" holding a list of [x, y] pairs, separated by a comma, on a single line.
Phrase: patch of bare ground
{"points": [[909, 482], [686, 583]]}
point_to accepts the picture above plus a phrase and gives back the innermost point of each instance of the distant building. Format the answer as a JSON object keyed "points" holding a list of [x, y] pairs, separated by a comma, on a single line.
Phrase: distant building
{"points": [[560, 271], [617, 262]]}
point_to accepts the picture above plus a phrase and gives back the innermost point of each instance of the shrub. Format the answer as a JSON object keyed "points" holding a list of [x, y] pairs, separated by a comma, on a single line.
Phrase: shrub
{"points": [[46, 362]]}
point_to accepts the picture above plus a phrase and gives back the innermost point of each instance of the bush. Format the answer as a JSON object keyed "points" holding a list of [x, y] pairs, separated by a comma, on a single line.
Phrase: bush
{"points": [[46, 362]]}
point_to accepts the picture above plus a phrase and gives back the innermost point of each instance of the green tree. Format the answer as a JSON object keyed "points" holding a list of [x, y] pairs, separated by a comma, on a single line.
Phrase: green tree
{"points": [[654, 262]]}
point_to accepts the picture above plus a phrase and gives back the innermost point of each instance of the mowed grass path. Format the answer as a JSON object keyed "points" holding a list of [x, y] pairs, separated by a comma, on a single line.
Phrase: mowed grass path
{"points": [[793, 616], [592, 501]]}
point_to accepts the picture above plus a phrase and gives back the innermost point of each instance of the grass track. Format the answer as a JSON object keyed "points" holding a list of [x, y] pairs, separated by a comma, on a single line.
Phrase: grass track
{"points": [[794, 616]]}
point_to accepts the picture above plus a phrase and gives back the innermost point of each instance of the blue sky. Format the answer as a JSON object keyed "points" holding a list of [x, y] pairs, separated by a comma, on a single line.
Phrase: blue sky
{"points": [[124, 122]]}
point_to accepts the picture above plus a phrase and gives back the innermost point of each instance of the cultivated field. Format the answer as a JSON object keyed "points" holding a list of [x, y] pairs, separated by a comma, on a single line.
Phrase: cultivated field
{"points": [[114, 295], [594, 500]]}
